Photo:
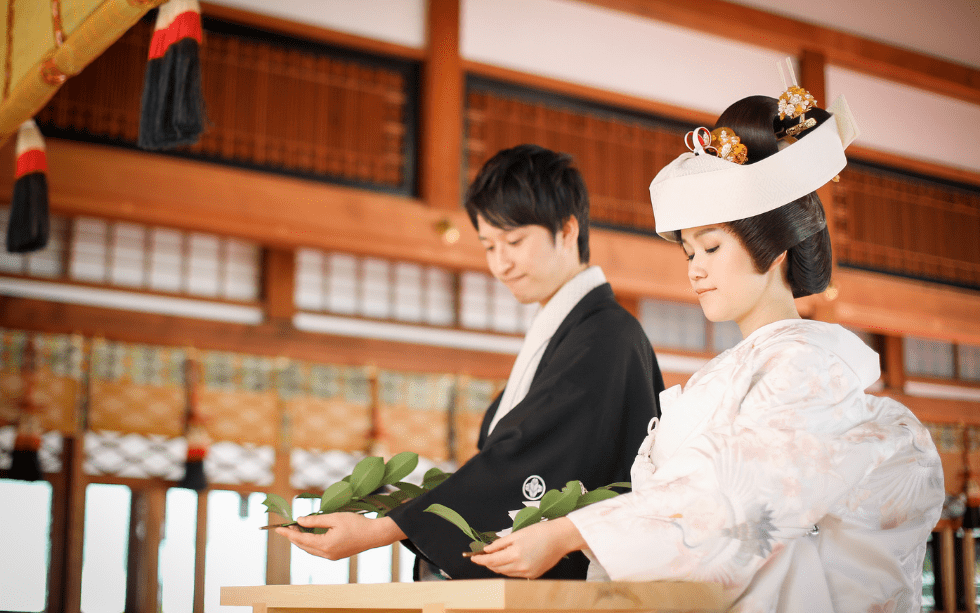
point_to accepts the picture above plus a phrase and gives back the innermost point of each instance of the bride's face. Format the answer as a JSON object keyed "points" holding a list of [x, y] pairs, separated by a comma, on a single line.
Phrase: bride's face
{"points": [[723, 275]]}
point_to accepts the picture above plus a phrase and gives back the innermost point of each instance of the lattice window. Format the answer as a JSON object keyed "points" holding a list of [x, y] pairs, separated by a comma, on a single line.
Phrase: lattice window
{"points": [[134, 455], [724, 335], [273, 103], [137, 257], [134, 256], [968, 362], [234, 463], [618, 152], [47, 263], [486, 304], [346, 284], [890, 222], [674, 324], [929, 358]]}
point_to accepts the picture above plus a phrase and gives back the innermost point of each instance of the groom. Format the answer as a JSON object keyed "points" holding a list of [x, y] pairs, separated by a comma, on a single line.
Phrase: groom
{"points": [[579, 397]]}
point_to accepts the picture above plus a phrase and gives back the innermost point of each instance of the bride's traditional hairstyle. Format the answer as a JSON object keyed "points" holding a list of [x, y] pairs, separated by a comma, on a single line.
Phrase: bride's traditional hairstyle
{"points": [[756, 174], [800, 227]]}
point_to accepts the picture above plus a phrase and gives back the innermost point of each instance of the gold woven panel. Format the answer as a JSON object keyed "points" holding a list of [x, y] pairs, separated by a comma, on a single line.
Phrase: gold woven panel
{"points": [[240, 416], [124, 406], [413, 413], [329, 423]]}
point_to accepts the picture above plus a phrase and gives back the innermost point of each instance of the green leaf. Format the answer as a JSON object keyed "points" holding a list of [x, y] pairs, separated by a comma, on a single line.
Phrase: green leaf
{"points": [[278, 505], [594, 496], [382, 501], [336, 496], [400, 495], [526, 517], [308, 495], [366, 476], [455, 518], [399, 467], [488, 537], [434, 477], [411, 489], [622, 484], [359, 506], [435, 471], [558, 504]]}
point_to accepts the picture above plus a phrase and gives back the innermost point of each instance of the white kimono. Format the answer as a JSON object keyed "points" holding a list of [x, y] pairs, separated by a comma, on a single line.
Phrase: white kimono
{"points": [[775, 475]]}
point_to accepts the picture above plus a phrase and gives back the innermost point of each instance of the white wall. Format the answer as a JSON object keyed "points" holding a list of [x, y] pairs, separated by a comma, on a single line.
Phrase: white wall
{"points": [[614, 51], [908, 121], [395, 21]]}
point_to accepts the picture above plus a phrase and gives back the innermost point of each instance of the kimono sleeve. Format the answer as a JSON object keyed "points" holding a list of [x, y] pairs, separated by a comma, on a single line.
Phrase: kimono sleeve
{"points": [[795, 444], [582, 419]]}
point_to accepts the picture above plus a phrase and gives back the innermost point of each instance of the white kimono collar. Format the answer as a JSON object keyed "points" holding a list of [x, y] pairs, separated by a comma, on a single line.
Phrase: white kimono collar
{"points": [[543, 327]]}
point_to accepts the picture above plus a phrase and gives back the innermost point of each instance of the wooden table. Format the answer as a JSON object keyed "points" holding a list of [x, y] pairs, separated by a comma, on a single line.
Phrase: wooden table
{"points": [[479, 595]]}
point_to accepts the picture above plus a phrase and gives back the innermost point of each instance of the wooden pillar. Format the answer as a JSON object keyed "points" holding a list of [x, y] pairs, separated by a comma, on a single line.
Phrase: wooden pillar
{"points": [[278, 284], [277, 548], [948, 562], [200, 549], [969, 571], [67, 531], [145, 531], [893, 358], [442, 109]]}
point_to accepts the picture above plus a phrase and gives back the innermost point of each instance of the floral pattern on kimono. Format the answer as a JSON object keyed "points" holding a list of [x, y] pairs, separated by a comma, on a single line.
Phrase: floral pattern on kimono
{"points": [[775, 475]]}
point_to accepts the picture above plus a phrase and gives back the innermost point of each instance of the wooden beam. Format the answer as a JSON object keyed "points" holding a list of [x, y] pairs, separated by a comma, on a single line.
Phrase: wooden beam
{"points": [[263, 339], [442, 109], [270, 209], [790, 36], [922, 167], [904, 307]]}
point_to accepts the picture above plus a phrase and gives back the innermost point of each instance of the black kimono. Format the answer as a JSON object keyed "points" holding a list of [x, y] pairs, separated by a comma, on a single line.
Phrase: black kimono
{"points": [[584, 417]]}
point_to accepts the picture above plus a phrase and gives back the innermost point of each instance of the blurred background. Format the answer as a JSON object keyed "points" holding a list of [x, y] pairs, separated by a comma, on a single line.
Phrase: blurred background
{"points": [[309, 261]]}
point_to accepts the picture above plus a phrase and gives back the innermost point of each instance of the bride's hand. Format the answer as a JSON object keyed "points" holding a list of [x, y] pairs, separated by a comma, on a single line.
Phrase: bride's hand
{"points": [[531, 551]]}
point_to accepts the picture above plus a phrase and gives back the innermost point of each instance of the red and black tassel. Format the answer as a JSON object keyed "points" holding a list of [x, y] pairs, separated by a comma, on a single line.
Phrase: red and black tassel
{"points": [[25, 463], [195, 432], [173, 109], [28, 227]]}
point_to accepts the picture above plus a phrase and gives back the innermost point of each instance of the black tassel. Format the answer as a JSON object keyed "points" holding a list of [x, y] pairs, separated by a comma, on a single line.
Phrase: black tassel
{"points": [[28, 228], [26, 466], [194, 478], [172, 108]]}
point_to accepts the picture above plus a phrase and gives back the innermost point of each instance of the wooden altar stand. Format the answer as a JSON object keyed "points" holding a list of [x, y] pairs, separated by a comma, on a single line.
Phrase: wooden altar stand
{"points": [[479, 596]]}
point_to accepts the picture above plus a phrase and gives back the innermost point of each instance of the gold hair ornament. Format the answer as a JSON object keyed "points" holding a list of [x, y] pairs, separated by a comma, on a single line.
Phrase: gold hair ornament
{"points": [[721, 142], [728, 146]]}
